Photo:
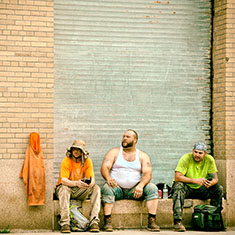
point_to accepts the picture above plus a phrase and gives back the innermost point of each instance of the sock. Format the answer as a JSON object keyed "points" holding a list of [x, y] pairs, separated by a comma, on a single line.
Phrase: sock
{"points": [[152, 215], [107, 216]]}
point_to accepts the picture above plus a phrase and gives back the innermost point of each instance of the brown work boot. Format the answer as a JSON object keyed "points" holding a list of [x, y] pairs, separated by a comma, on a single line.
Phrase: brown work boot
{"points": [[179, 227], [94, 228], [152, 226], [65, 228], [108, 224]]}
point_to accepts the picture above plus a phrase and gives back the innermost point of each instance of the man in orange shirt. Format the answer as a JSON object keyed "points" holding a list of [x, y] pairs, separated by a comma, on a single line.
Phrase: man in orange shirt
{"points": [[74, 169]]}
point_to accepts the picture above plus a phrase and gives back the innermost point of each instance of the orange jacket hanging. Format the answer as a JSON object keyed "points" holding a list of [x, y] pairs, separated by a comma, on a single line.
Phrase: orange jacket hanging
{"points": [[33, 172]]}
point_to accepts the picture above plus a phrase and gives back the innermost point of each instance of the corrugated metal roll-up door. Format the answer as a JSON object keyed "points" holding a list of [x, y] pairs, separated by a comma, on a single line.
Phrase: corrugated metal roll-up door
{"points": [[136, 64]]}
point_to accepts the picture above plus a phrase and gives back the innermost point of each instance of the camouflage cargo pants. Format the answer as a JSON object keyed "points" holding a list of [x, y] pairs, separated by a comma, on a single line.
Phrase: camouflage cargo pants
{"points": [[180, 191]]}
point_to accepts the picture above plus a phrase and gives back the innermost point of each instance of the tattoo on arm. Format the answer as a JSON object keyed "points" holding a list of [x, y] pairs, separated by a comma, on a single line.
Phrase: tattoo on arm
{"points": [[148, 164], [211, 176]]}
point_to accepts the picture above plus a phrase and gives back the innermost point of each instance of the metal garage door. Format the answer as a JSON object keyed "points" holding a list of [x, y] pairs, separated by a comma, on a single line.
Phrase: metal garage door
{"points": [[136, 64]]}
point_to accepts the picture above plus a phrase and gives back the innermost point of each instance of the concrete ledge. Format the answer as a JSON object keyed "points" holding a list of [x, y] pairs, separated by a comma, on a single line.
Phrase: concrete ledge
{"points": [[133, 214]]}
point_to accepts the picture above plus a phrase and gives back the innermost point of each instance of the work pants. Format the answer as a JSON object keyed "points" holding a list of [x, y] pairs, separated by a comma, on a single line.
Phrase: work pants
{"points": [[65, 193], [180, 191]]}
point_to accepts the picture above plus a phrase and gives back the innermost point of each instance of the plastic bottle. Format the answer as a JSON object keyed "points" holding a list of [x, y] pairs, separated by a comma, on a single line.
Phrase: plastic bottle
{"points": [[165, 192]]}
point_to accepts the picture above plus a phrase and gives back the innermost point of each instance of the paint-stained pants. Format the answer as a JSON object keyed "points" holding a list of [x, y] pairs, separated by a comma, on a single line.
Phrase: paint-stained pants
{"points": [[180, 191], [65, 193]]}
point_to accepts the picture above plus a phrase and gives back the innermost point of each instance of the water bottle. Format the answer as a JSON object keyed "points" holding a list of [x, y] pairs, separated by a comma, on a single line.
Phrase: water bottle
{"points": [[165, 192]]}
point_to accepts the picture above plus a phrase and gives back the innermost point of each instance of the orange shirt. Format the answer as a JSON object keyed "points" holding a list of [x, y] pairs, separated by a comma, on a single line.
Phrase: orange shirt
{"points": [[74, 171]]}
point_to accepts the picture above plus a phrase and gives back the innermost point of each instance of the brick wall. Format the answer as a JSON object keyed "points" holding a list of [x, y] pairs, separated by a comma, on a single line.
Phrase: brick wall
{"points": [[219, 65], [230, 109], [230, 80], [224, 98], [26, 75]]}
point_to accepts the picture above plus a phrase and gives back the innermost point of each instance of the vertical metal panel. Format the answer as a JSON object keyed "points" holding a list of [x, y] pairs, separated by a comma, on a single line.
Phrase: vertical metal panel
{"points": [[137, 64]]}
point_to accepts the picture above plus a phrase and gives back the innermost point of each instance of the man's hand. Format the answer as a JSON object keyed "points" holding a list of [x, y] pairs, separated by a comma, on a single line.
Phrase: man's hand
{"points": [[92, 183], [138, 191], [111, 182], [209, 183], [200, 181], [205, 182], [82, 184]]}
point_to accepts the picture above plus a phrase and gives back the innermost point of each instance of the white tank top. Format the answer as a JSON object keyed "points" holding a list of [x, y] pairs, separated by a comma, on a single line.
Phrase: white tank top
{"points": [[127, 174]]}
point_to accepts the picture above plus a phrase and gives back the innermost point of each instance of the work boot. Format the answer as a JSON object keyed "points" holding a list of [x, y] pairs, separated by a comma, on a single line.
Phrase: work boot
{"points": [[94, 228], [152, 226], [108, 224], [65, 228], [179, 227]]}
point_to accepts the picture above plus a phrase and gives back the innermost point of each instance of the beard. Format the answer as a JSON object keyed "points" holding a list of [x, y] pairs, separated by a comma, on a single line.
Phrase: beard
{"points": [[128, 145], [78, 157]]}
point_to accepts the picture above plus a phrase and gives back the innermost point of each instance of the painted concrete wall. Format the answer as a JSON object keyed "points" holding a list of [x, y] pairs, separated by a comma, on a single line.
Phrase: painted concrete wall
{"points": [[146, 68]]}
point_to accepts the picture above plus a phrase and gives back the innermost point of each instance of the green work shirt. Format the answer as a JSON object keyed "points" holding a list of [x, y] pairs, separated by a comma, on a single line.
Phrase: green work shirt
{"points": [[192, 169]]}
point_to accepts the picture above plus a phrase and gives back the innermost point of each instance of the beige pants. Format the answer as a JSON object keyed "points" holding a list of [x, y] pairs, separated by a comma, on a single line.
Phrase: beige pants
{"points": [[65, 193]]}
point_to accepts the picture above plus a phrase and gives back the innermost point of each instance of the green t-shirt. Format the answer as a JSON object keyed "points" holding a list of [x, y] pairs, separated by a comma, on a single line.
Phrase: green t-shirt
{"points": [[191, 169]]}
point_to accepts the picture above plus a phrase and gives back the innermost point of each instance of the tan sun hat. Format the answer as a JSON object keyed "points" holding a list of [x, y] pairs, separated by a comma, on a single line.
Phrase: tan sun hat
{"points": [[80, 144]]}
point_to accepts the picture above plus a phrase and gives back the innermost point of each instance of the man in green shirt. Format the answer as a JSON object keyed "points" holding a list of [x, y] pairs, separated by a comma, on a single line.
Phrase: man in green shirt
{"points": [[195, 177]]}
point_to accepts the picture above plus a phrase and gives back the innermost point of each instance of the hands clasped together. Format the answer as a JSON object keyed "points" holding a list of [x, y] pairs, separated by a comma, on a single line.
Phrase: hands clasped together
{"points": [[82, 184], [203, 181]]}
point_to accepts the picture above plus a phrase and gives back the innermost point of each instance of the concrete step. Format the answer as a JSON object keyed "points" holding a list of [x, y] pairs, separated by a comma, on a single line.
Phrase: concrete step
{"points": [[133, 214]]}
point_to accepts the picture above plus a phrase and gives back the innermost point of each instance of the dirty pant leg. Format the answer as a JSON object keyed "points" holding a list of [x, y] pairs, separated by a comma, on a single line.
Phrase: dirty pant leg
{"points": [[63, 193], [95, 202], [94, 195], [110, 194], [180, 191]]}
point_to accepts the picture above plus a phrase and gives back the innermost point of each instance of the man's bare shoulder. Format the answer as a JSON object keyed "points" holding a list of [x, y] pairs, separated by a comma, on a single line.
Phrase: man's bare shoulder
{"points": [[145, 161], [143, 155], [113, 152]]}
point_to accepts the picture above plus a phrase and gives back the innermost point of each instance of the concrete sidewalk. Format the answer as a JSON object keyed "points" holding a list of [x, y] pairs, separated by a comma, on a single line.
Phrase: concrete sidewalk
{"points": [[129, 232]]}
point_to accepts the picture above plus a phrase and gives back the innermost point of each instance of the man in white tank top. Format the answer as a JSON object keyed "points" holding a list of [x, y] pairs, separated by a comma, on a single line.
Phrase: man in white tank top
{"points": [[128, 172]]}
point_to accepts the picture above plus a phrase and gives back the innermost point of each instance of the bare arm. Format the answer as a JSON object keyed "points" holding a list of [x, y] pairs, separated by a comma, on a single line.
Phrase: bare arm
{"points": [[146, 169], [146, 174], [107, 165], [179, 177]]}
